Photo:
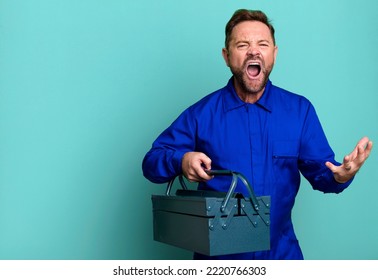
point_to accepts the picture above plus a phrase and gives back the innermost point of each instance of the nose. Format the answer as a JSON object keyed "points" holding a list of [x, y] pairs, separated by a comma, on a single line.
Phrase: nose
{"points": [[253, 50]]}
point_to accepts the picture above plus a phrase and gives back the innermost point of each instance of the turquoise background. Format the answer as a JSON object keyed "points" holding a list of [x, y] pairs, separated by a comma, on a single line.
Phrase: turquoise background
{"points": [[86, 86]]}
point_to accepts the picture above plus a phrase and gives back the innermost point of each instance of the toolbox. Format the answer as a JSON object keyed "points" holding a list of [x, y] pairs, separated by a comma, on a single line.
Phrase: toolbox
{"points": [[210, 222]]}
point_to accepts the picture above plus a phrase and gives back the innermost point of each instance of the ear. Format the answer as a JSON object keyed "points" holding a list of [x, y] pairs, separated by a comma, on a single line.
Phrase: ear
{"points": [[275, 53], [225, 56]]}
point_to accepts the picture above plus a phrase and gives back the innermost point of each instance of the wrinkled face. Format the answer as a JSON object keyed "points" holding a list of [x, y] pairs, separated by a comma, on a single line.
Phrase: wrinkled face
{"points": [[250, 55]]}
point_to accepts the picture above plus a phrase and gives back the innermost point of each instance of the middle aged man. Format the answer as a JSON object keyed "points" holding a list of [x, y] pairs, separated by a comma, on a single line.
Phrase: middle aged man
{"points": [[260, 130]]}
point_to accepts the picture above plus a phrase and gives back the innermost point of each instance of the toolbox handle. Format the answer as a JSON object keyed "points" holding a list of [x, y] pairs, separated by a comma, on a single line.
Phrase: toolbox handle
{"points": [[235, 176], [170, 183]]}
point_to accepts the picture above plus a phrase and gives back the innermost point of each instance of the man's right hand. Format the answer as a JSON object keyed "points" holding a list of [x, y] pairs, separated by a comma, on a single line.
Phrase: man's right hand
{"points": [[194, 165]]}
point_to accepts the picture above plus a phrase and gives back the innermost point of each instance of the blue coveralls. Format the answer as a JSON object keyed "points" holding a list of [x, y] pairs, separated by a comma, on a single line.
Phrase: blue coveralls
{"points": [[271, 142]]}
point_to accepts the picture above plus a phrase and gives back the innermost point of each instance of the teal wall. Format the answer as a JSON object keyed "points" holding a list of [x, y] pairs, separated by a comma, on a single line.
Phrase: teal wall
{"points": [[87, 85]]}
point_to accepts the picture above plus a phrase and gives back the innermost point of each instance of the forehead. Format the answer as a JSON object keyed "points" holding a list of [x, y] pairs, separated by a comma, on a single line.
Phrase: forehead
{"points": [[251, 30]]}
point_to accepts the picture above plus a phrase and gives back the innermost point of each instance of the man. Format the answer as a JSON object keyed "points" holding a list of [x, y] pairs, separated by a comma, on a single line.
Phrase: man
{"points": [[262, 131]]}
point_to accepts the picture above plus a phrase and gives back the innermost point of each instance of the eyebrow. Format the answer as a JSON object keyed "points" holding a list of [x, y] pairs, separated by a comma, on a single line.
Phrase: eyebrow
{"points": [[265, 40], [258, 41]]}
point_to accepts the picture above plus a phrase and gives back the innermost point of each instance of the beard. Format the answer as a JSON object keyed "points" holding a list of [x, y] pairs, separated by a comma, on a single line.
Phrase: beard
{"points": [[251, 86]]}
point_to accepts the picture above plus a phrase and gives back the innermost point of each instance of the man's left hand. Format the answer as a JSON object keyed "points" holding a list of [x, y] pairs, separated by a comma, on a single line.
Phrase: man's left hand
{"points": [[352, 162]]}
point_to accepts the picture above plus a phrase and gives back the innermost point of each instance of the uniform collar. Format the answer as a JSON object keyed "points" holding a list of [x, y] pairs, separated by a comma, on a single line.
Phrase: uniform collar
{"points": [[232, 100]]}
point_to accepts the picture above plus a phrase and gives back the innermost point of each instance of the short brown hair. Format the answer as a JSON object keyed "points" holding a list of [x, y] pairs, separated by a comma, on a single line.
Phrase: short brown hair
{"points": [[247, 15]]}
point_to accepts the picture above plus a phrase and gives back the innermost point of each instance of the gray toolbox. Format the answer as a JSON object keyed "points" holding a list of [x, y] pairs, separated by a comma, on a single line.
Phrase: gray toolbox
{"points": [[213, 223]]}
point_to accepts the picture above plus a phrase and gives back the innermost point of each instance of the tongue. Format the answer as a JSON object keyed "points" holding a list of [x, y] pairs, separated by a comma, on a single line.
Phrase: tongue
{"points": [[253, 70]]}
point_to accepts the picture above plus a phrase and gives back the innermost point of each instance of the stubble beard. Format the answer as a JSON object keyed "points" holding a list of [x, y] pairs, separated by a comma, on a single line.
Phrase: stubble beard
{"points": [[255, 86]]}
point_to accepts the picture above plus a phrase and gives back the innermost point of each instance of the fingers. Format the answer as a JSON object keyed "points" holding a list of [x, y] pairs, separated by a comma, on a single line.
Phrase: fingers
{"points": [[194, 165], [352, 162], [342, 173], [362, 144], [347, 163], [363, 141], [368, 148], [364, 147], [206, 162]]}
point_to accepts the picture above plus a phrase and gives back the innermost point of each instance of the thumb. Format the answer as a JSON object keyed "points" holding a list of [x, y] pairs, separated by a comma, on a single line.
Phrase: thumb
{"points": [[331, 166]]}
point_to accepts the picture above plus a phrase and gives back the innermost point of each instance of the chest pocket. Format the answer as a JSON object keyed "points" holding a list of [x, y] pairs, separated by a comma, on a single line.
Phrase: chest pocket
{"points": [[285, 160], [285, 150]]}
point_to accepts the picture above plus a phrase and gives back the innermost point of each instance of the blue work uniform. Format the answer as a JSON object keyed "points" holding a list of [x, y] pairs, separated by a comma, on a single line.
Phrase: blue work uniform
{"points": [[270, 142]]}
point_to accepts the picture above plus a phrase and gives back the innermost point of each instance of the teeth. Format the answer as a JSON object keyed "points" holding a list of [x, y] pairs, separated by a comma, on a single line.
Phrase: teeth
{"points": [[254, 64]]}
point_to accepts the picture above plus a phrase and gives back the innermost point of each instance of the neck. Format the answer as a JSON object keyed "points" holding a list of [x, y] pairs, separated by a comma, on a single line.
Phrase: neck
{"points": [[248, 96]]}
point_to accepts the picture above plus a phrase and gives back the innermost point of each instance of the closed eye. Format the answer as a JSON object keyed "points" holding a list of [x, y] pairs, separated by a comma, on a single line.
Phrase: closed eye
{"points": [[264, 43], [242, 46]]}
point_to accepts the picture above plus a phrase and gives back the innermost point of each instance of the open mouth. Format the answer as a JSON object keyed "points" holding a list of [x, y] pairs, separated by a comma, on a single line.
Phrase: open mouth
{"points": [[253, 69]]}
